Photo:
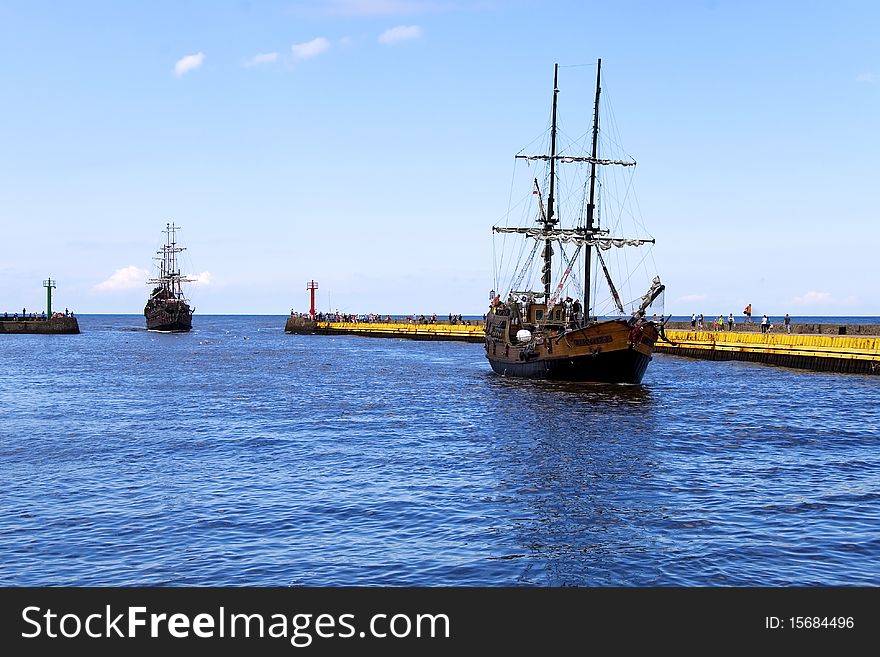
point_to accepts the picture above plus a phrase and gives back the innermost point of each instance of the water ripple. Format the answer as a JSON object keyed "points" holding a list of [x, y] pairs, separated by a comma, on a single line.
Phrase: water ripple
{"points": [[237, 455]]}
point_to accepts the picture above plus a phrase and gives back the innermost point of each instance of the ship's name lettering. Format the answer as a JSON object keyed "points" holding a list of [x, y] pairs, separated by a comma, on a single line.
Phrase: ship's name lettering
{"points": [[599, 339]]}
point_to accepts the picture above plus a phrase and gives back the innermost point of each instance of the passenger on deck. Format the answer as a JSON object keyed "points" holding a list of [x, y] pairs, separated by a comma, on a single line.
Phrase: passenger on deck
{"points": [[576, 312], [515, 318]]}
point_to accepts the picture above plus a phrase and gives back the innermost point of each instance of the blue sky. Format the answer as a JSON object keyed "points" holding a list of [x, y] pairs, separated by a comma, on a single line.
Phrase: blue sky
{"points": [[369, 144]]}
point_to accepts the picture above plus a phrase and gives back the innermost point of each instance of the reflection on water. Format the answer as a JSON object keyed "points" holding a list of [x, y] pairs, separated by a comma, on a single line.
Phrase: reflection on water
{"points": [[575, 454], [610, 393]]}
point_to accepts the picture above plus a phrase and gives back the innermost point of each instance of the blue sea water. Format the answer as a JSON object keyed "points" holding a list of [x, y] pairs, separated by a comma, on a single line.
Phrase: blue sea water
{"points": [[239, 455]]}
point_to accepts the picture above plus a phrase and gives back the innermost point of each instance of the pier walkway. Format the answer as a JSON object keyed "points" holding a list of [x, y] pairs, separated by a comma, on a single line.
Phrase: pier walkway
{"points": [[851, 349], [440, 331], [825, 352]]}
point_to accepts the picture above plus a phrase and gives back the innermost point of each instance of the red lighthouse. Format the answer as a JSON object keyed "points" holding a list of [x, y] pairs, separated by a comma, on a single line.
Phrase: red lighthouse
{"points": [[311, 286]]}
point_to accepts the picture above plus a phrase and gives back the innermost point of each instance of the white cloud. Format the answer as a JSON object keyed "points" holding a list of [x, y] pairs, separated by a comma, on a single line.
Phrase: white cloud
{"points": [[204, 278], [692, 297], [123, 279], [262, 58], [812, 297], [311, 48], [400, 33], [189, 63], [868, 78]]}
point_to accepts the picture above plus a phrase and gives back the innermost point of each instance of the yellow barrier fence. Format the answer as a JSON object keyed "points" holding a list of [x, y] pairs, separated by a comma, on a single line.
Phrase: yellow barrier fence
{"points": [[821, 346], [469, 333]]}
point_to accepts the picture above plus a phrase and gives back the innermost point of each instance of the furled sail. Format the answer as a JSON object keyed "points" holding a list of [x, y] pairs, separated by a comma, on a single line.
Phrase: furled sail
{"points": [[571, 159], [572, 235]]}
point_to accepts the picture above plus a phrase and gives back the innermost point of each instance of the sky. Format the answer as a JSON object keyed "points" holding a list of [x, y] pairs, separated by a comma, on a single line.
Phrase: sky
{"points": [[369, 144]]}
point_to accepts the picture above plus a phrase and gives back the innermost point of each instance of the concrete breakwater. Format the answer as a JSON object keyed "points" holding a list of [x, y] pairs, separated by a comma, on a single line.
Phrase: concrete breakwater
{"points": [[51, 326], [823, 352], [440, 331]]}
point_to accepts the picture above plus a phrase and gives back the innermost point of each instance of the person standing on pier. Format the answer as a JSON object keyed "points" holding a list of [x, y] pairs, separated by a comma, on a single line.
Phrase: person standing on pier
{"points": [[748, 313], [765, 323], [787, 323], [730, 322], [694, 320]]}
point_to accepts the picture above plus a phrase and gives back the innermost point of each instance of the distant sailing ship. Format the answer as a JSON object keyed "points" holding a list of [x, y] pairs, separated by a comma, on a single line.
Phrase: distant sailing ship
{"points": [[540, 334], [167, 308]]}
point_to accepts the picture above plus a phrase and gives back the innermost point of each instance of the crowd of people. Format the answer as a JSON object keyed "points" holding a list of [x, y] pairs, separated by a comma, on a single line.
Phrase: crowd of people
{"points": [[25, 315], [572, 309], [372, 318], [717, 324]]}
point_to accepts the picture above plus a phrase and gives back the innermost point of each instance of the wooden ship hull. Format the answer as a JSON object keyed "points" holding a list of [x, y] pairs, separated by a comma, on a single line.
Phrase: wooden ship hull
{"points": [[168, 316], [611, 351]]}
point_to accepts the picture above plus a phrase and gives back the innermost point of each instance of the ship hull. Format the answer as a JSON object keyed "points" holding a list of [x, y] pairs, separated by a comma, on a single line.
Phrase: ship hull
{"points": [[613, 351], [614, 367], [174, 320], [179, 326]]}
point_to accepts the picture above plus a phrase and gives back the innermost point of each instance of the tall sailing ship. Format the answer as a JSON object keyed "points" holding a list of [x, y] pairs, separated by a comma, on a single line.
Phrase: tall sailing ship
{"points": [[545, 332], [167, 308]]}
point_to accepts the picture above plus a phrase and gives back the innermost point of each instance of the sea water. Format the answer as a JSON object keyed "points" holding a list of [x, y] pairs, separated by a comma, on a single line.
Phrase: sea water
{"points": [[238, 455]]}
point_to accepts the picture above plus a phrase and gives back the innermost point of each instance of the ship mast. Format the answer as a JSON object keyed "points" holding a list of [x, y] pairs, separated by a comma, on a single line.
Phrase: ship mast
{"points": [[549, 221], [588, 235], [591, 205], [170, 278], [170, 258]]}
